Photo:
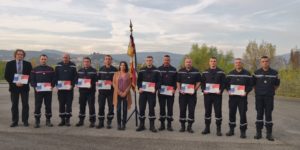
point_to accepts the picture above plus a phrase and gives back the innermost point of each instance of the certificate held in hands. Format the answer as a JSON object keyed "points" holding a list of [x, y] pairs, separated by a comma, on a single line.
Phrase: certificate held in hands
{"points": [[43, 87], [237, 90], [212, 88], [63, 85], [20, 78], [187, 88], [148, 87], [166, 90], [104, 84], [84, 83]]}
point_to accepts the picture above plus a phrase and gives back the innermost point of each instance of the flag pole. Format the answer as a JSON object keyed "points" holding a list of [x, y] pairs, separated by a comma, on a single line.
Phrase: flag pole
{"points": [[135, 111]]}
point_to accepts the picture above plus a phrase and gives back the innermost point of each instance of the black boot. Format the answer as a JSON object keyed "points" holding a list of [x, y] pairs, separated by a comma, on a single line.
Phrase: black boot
{"points": [[189, 128], [219, 133], [80, 123], [230, 132], [243, 134], [141, 126], [92, 124], [269, 134], [108, 124], [182, 129], [123, 125], [207, 129], [101, 124], [169, 126], [37, 123], [67, 122], [62, 122], [48, 123], [152, 126], [258, 134], [162, 126]]}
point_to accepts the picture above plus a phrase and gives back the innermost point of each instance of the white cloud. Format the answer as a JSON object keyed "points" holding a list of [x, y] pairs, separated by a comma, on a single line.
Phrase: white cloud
{"points": [[227, 24]]}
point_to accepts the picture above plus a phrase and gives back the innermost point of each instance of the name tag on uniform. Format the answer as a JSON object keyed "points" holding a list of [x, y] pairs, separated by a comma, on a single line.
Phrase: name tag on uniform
{"points": [[63, 85], [187, 88], [212, 88], [237, 90], [166, 90], [148, 87], [84, 83], [43, 87], [104, 84], [20, 78]]}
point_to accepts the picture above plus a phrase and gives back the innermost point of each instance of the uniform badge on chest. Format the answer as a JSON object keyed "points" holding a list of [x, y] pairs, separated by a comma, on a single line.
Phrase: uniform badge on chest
{"points": [[265, 82], [44, 73]]}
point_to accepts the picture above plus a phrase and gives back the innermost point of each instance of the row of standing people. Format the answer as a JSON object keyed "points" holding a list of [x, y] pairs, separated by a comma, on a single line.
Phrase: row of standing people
{"points": [[265, 81]]}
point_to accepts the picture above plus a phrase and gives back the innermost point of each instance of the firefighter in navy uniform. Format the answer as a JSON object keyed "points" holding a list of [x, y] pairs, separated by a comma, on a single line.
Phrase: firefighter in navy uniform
{"points": [[168, 78], [87, 95], [213, 75], [188, 75], [266, 81], [151, 74], [42, 74], [241, 77], [106, 72], [65, 71]]}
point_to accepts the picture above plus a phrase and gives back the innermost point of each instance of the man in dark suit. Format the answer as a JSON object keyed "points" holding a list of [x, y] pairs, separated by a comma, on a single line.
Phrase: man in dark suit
{"points": [[18, 66]]}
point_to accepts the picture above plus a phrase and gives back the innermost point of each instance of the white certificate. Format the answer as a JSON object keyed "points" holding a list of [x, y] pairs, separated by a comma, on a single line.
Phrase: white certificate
{"points": [[63, 85], [20, 78], [104, 84], [84, 83], [166, 90], [148, 87], [187, 88], [43, 87], [212, 88], [237, 90]]}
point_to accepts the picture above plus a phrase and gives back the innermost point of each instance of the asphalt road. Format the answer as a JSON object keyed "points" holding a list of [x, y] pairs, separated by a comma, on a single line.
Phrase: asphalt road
{"points": [[286, 118]]}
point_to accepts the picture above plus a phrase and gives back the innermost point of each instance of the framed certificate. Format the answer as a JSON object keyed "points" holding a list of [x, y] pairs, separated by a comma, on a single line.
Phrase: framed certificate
{"points": [[43, 87], [187, 88], [237, 90], [212, 88], [148, 87], [166, 90], [20, 78], [84, 83], [63, 85], [104, 84]]}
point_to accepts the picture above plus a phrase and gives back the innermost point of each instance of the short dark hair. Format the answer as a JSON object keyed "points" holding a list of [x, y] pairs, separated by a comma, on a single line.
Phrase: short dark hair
{"points": [[213, 57], [238, 59], [19, 50], [43, 55], [126, 66], [167, 56], [264, 57], [149, 57], [107, 56], [88, 58]]}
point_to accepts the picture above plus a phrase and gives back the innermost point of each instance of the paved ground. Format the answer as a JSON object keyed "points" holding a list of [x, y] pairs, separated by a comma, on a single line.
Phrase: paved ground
{"points": [[286, 131]]}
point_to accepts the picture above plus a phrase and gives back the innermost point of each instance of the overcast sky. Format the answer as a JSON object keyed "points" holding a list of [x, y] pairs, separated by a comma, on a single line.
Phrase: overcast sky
{"points": [[84, 26]]}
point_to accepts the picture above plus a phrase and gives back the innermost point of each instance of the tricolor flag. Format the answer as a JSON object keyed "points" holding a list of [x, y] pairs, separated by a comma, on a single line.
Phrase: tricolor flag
{"points": [[187, 88], [42, 87], [212, 88], [63, 85], [20, 78], [104, 84], [237, 90], [131, 52], [148, 87], [84, 83], [166, 90]]}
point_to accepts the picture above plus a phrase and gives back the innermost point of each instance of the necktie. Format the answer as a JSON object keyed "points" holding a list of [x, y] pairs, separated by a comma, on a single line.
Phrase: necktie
{"points": [[19, 69]]}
